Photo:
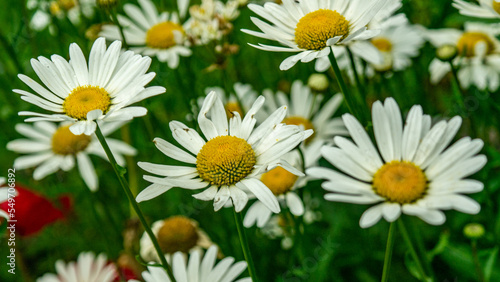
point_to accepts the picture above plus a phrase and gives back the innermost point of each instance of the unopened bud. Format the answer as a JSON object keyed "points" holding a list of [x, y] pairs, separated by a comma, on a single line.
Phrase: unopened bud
{"points": [[318, 82], [446, 52], [473, 231]]}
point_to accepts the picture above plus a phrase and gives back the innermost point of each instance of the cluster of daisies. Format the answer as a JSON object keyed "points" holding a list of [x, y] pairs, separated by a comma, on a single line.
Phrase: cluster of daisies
{"points": [[252, 150]]}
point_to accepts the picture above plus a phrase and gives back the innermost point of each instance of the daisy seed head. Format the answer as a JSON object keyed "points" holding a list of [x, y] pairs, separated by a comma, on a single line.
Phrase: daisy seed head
{"points": [[66, 143], [315, 28], [318, 82], [84, 99], [400, 182], [225, 160], [178, 234], [279, 180], [474, 231], [161, 36], [446, 52], [467, 43]]}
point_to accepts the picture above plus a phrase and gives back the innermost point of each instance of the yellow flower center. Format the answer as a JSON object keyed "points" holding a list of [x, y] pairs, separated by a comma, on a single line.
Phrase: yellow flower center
{"points": [[296, 120], [233, 107], [315, 28], [84, 99], [66, 143], [400, 182], [279, 180], [178, 234], [161, 36], [382, 44], [496, 6], [469, 40], [225, 160]]}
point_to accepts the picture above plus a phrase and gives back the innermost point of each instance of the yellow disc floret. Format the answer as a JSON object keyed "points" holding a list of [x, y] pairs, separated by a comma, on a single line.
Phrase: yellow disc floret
{"points": [[233, 107], [300, 121], [84, 99], [66, 143], [382, 44], [467, 43], [315, 28], [225, 160], [279, 180], [400, 182], [161, 36], [496, 6], [178, 234]]}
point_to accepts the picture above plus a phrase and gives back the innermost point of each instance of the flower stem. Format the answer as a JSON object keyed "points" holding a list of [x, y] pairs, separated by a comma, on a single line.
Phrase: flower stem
{"points": [[477, 265], [457, 92], [244, 245], [355, 71], [119, 173], [413, 253], [355, 108], [112, 13], [388, 252]]}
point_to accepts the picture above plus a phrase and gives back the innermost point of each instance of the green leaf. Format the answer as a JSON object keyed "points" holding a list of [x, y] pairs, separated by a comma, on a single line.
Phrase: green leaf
{"points": [[490, 263], [444, 240]]}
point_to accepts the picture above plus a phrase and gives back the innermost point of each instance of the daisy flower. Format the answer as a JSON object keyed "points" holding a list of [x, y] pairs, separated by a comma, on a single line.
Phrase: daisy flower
{"points": [[304, 109], [416, 172], [74, 10], [174, 234], [310, 28], [151, 33], [50, 148], [489, 9], [478, 55], [197, 269], [103, 90], [88, 268], [232, 159], [242, 92]]}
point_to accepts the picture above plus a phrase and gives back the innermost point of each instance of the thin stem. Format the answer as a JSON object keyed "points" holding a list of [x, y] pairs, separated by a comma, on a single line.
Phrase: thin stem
{"points": [[119, 173], [352, 106], [113, 13], [355, 71], [457, 92], [244, 245], [132, 171], [388, 252], [477, 265], [413, 253], [421, 249]]}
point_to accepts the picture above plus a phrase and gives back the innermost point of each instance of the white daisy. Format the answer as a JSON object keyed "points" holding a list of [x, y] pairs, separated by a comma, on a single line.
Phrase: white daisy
{"points": [[88, 268], [150, 33], [489, 9], [478, 51], [174, 234], [242, 92], [74, 10], [232, 159], [50, 148], [197, 269], [103, 90], [305, 109], [312, 27], [415, 174], [283, 184]]}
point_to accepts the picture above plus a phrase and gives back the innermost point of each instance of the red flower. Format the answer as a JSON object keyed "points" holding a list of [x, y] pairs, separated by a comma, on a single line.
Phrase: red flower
{"points": [[33, 211]]}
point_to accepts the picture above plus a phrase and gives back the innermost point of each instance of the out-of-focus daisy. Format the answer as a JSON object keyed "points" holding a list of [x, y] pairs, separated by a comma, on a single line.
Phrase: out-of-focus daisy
{"points": [[103, 90], [45, 10], [211, 20], [312, 27], [174, 234], [478, 55], [304, 109], [242, 92], [489, 9], [232, 159], [151, 33], [88, 268], [198, 269], [4, 196], [416, 174], [283, 184], [50, 148]]}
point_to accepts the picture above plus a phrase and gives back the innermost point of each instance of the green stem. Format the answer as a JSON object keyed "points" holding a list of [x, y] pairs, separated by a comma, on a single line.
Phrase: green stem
{"points": [[113, 13], [132, 170], [457, 92], [355, 71], [388, 252], [477, 265], [421, 249], [411, 249], [119, 171], [244, 246], [353, 107]]}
